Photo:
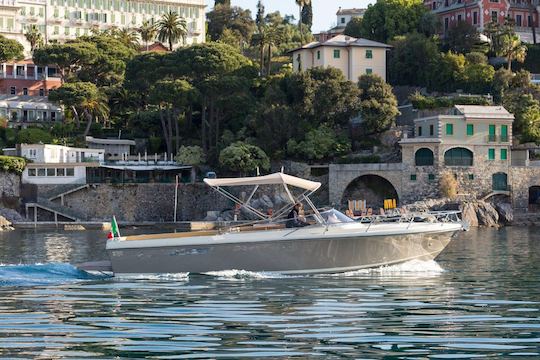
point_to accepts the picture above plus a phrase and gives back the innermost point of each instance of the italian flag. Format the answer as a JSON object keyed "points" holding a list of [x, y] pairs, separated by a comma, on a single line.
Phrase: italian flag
{"points": [[114, 233]]}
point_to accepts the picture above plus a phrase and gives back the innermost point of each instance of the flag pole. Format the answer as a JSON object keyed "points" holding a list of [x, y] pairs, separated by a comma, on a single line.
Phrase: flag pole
{"points": [[175, 197]]}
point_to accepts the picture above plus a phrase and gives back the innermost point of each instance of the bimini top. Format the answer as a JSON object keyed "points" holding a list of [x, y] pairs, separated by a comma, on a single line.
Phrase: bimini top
{"points": [[271, 179]]}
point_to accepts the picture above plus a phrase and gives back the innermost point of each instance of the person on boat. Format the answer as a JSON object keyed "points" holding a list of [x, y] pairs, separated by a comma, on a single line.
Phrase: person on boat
{"points": [[294, 218]]}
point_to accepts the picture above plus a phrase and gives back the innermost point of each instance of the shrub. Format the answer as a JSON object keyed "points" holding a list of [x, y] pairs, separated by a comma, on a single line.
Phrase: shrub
{"points": [[448, 185], [33, 136], [421, 102], [191, 155], [243, 157], [13, 164]]}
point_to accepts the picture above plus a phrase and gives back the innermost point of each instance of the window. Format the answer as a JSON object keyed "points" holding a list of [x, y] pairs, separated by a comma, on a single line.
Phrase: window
{"points": [[431, 130], [31, 172], [494, 16], [475, 18], [51, 172], [431, 177], [491, 154], [40, 12], [471, 176], [60, 172], [434, 6], [337, 54], [318, 54], [53, 115], [470, 129], [56, 30], [423, 157], [504, 133], [369, 71], [459, 18], [41, 92], [518, 20], [66, 31], [369, 54], [449, 129], [70, 172], [41, 172], [504, 154], [445, 24], [419, 131], [25, 91], [343, 20], [413, 177], [491, 136], [13, 90], [458, 157]]}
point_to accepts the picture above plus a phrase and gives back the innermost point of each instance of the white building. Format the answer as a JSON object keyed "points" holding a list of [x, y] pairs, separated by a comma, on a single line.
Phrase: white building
{"points": [[115, 149], [60, 20], [343, 16], [353, 56], [57, 164]]}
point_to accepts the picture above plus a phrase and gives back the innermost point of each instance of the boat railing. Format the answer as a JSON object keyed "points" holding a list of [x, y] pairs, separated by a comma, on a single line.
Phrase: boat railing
{"points": [[411, 217]]}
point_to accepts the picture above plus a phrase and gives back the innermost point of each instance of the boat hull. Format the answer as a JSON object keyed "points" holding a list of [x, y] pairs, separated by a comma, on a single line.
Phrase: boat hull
{"points": [[318, 254]]}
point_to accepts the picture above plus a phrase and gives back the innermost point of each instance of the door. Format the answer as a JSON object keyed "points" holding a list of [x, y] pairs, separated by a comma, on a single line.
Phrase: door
{"points": [[500, 182], [491, 133], [504, 132]]}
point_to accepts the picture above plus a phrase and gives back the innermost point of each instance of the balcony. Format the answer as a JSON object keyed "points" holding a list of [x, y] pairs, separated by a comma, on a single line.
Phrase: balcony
{"points": [[491, 138]]}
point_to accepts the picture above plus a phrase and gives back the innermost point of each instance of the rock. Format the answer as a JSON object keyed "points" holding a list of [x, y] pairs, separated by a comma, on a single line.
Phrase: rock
{"points": [[391, 137], [506, 213], [468, 214], [487, 215], [265, 202], [5, 224]]}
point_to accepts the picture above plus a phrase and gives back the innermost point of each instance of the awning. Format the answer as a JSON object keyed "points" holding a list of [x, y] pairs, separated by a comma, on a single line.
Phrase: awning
{"points": [[272, 179], [145, 167]]}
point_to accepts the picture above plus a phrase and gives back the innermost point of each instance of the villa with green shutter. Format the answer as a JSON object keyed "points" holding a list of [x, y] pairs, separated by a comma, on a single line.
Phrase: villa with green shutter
{"points": [[472, 142]]}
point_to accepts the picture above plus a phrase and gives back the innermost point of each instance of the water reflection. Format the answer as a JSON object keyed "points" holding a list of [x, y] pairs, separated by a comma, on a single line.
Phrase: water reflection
{"points": [[480, 299]]}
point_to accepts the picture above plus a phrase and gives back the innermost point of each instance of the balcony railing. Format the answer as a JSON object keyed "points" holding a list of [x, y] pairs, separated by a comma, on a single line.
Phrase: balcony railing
{"points": [[492, 138], [497, 138]]}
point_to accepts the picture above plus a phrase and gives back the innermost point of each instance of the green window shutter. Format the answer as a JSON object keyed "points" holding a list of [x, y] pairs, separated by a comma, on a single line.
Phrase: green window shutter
{"points": [[431, 130], [431, 177], [318, 54], [369, 71], [419, 131], [413, 177], [491, 137], [504, 154], [369, 54], [337, 54], [471, 176], [470, 129], [491, 154], [449, 129], [504, 132]]}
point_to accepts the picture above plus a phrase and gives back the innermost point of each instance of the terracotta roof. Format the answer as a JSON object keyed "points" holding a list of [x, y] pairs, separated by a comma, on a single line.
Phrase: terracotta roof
{"points": [[156, 46]]}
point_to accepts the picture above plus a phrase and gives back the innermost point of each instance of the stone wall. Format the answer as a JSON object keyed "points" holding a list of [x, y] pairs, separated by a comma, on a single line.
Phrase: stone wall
{"points": [[10, 190], [522, 178], [145, 202]]}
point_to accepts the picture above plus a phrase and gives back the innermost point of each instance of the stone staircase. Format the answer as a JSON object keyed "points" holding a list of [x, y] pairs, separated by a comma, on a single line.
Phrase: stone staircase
{"points": [[57, 209], [62, 190]]}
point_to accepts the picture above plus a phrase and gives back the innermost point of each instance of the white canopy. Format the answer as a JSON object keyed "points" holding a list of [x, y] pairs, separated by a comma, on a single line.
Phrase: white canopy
{"points": [[271, 179]]}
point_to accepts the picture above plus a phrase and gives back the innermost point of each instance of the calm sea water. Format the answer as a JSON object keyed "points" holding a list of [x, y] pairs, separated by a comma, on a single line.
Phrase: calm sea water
{"points": [[481, 298]]}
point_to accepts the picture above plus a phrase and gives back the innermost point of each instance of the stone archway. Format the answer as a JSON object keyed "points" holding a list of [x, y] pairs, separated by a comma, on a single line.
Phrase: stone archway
{"points": [[372, 188]]}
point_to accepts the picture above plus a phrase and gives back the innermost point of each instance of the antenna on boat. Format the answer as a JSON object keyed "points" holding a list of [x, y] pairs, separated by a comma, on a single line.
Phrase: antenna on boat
{"points": [[282, 169], [258, 172]]}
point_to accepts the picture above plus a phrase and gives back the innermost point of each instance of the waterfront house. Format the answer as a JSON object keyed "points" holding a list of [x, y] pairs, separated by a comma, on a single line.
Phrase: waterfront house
{"points": [[472, 142], [115, 149], [353, 56], [24, 88], [56, 164]]}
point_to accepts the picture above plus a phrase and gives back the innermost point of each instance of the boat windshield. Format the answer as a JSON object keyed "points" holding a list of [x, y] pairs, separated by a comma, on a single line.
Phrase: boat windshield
{"points": [[333, 216]]}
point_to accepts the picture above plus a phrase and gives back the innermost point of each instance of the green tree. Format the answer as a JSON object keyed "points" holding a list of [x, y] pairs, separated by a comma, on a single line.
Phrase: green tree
{"points": [[68, 58], [85, 99], [307, 16], [34, 37], [354, 27], [191, 155], [10, 49], [234, 18], [148, 32], [512, 49], [243, 157], [524, 107], [430, 24], [378, 107], [462, 38], [477, 78], [33, 136], [301, 4], [501, 83], [387, 19], [320, 143], [127, 37], [172, 28], [413, 61]]}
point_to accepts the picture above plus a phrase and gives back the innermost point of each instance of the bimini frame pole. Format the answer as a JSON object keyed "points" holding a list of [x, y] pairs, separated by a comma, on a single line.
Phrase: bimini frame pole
{"points": [[240, 202]]}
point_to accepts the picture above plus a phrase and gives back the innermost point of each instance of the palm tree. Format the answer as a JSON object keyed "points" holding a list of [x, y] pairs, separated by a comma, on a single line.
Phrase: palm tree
{"points": [[34, 37], [301, 4], [171, 28], [147, 31], [512, 49], [95, 107], [127, 37]]}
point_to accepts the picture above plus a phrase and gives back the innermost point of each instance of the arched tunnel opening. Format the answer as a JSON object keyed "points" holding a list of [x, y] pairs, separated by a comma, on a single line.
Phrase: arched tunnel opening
{"points": [[373, 189]]}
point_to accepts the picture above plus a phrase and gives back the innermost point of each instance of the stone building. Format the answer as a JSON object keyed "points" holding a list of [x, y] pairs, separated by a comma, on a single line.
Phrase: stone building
{"points": [[473, 143]]}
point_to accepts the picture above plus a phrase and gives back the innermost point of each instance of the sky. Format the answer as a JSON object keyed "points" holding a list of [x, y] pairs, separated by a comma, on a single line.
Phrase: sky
{"points": [[324, 11]]}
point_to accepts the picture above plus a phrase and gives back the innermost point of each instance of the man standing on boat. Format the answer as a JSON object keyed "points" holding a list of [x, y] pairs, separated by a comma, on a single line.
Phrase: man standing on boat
{"points": [[294, 219]]}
